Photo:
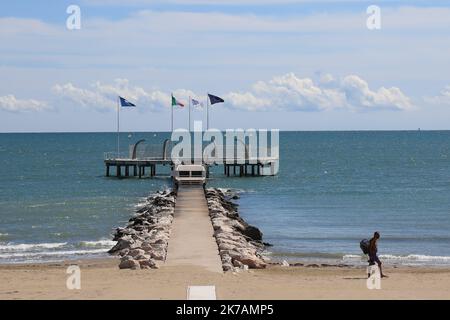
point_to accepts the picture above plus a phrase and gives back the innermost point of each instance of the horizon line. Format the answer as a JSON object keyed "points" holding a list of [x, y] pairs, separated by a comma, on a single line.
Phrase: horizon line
{"points": [[287, 130]]}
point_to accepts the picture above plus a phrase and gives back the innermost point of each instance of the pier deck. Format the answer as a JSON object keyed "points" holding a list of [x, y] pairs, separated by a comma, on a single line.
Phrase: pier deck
{"points": [[246, 167], [137, 160], [138, 166], [192, 241]]}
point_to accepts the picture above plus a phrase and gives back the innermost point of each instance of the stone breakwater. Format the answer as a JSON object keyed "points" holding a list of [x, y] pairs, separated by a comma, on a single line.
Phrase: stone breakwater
{"points": [[143, 242], [240, 244]]}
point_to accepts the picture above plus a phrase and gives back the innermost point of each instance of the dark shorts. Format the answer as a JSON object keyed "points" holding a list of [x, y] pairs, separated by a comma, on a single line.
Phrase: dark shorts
{"points": [[374, 259]]}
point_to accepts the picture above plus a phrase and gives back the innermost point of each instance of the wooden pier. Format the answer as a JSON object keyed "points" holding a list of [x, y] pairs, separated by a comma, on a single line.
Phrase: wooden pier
{"points": [[134, 167], [138, 167], [242, 169]]}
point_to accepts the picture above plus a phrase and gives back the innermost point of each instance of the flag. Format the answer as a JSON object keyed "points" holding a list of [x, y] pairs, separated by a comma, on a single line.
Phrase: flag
{"points": [[125, 103], [214, 99], [197, 103], [175, 102]]}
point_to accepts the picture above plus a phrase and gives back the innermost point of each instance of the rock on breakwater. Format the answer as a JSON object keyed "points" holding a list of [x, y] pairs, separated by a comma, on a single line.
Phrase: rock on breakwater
{"points": [[240, 244], [144, 240]]}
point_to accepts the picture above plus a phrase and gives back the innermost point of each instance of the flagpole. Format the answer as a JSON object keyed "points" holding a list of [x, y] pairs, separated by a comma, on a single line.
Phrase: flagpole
{"points": [[171, 107], [207, 111], [118, 127], [189, 114]]}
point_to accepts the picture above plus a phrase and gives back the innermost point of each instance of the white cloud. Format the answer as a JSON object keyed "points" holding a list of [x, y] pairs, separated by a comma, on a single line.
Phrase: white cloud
{"points": [[360, 96], [442, 99], [11, 104], [288, 92], [225, 50], [248, 101], [82, 97], [103, 97]]}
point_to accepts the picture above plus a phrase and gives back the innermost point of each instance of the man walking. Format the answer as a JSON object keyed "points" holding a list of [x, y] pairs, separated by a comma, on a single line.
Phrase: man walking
{"points": [[373, 253]]}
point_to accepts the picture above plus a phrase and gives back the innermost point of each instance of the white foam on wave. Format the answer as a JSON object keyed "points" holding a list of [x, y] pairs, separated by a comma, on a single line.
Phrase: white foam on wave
{"points": [[27, 247], [404, 258], [351, 257], [25, 253], [235, 190], [142, 201], [99, 243], [12, 247], [416, 257], [44, 254], [39, 205]]}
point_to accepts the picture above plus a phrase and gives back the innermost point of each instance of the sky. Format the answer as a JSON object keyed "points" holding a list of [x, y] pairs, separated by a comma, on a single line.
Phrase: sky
{"points": [[278, 64]]}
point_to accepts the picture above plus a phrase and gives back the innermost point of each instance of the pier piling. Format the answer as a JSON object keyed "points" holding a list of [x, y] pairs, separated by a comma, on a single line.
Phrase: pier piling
{"points": [[245, 168]]}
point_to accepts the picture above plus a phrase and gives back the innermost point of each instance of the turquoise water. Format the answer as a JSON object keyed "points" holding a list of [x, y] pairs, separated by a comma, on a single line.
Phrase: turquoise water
{"points": [[333, 189]]}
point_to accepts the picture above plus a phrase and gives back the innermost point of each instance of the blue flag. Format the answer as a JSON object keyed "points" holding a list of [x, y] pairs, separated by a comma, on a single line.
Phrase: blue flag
{"points": [[196, 103], [215, 99], [125, 103]]}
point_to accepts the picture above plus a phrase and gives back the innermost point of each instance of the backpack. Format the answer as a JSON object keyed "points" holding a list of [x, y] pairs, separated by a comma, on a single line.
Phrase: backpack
{"points": [[364, 245]]}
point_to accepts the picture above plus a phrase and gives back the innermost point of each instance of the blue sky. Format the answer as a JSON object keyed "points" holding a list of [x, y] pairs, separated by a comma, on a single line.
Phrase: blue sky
{"points": [[292, 65]]}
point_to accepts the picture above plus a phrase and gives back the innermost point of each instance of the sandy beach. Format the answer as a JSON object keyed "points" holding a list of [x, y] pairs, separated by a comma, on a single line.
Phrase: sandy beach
{"points": [[102, 279]]}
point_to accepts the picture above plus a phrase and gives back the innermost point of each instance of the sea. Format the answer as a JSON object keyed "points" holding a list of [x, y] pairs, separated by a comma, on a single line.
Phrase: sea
{"points": [[333, 190]]}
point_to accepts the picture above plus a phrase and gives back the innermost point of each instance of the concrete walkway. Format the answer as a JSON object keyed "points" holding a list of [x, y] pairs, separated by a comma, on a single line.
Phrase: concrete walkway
{"points": [[191, 240]]}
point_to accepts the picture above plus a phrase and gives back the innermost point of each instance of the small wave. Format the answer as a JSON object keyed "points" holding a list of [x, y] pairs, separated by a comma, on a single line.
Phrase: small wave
{"points": [[236, 190], [356, 259], [352, 256], [26, 247], [141, 204], [416, 257], [142, 200], [3, 235], [411, 258], [99, 243], [39, 205], [44, 254]]}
